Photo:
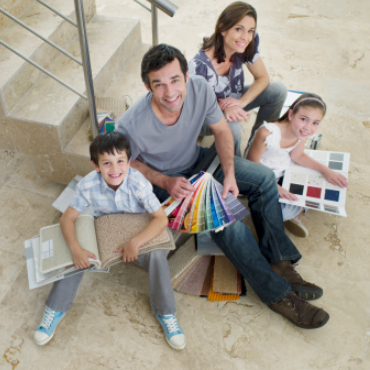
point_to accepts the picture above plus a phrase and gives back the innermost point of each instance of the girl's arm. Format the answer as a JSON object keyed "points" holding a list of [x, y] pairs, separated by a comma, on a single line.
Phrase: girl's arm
{"points": [[255, 153], [154, 228], [298, 156], [258, 146], [261, 81]]}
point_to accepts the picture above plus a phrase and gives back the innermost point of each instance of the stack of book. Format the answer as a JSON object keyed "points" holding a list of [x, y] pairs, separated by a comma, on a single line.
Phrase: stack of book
{"points": [[205, 275], [106, 122], [49, 258]]}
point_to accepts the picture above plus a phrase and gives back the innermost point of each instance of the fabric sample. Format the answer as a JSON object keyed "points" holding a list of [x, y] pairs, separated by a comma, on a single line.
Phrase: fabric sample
{"points": [[225, 276]]}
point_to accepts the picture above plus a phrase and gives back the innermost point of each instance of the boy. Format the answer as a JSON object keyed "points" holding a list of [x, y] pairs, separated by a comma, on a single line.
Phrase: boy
{"points": [[114, 187]]}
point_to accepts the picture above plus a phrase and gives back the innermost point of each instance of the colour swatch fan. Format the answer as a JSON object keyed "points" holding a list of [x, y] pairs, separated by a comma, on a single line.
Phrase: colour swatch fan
{"points": [[204, 209]]}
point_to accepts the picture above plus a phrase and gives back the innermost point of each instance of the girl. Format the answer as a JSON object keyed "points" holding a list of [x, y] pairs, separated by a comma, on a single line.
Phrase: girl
{"points": [[220, 61], [276, 144]]}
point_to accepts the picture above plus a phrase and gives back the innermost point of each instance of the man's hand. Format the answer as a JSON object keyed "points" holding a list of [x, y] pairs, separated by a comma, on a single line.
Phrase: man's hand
{"points": [[130, 251], [80, 258], [178, 187], [285, 194], [236, 113], [228, 102], [230, 186]]}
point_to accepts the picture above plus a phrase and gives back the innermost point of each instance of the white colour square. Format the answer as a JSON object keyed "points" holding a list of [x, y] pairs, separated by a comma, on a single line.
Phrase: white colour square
{"points": [[47, 250], [316, 180], [320, 155]]}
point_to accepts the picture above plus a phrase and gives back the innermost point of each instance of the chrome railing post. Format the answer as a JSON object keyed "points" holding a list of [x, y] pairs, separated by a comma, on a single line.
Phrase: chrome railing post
{"points": [[80, 18], [166, 6], [154, 25]]}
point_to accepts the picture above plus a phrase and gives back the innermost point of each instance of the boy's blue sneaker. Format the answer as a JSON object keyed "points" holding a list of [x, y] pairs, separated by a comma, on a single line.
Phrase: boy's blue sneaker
{"points": [[44, 333], [174, 335]]}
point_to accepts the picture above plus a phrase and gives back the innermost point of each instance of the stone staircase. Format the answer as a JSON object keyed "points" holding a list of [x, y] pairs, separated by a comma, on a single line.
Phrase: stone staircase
{"points": [[40, 117]]}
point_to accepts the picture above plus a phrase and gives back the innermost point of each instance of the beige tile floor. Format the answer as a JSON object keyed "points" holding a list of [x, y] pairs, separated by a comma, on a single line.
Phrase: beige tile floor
{"points": [[318, 46]]}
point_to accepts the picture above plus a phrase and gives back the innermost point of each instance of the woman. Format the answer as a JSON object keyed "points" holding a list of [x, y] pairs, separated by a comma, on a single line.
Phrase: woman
{"points": [[234, 42]]}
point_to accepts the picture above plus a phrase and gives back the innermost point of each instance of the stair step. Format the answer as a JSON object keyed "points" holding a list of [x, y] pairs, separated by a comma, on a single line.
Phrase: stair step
{"points": [[15, 7], [50, 103], [80, 143], [16, 75], [129, 82], [38, 18], [126, 83]]}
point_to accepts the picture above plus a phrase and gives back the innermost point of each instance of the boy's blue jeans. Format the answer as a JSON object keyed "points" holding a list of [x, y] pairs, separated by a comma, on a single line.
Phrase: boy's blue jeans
{"points": [[236, 241], [162, 300]]}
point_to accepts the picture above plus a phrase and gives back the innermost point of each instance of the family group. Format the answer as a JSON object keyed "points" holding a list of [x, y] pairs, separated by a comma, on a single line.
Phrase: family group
{"points": [[154, 149]]}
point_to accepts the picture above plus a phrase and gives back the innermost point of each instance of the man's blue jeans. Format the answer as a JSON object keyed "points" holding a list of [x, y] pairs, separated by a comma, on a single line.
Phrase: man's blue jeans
{"points": [[236, 241]]}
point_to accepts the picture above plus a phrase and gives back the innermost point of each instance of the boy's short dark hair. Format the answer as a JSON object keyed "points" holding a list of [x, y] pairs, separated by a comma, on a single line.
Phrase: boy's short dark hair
{"points": [[107, 143], [157, 57]]}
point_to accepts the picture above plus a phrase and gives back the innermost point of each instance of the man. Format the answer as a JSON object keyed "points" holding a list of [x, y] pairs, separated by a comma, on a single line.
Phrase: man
{"points": [[163, 127]]}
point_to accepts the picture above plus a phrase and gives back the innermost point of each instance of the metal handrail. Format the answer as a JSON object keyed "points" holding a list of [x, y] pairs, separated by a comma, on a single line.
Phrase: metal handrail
{"points": [[85, 63], [80, 17], [166, 6], [42, 69], [51, 43], [143, 5], [56, 11]]}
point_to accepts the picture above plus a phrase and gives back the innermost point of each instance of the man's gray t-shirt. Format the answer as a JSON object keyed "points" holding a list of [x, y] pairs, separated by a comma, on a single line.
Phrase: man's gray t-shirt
{"points": [[169, 149]]}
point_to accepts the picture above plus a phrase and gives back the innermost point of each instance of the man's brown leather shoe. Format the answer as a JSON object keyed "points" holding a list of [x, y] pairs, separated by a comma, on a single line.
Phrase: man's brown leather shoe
{"points": [[304, 289], [300, 312]]}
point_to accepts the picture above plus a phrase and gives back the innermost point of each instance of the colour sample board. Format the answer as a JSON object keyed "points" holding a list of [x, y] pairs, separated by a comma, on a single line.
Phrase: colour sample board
{"points": [[313, 191]]}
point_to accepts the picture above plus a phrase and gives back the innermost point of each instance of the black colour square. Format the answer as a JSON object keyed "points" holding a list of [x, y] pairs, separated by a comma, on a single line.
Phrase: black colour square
{"points": [[296, 189]]}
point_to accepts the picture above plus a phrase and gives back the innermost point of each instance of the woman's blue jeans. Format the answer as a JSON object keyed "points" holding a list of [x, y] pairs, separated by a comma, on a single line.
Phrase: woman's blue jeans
{"points": [[250, 258]]}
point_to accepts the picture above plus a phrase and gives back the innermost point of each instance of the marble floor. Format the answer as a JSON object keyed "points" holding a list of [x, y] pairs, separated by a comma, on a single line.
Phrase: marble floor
{"points": [[318, 46]]}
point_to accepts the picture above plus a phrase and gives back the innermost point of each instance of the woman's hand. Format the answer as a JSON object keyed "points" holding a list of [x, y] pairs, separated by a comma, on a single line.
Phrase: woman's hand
{"points": [[229, 102], [235, 113], [285, 194], [335, 178]]}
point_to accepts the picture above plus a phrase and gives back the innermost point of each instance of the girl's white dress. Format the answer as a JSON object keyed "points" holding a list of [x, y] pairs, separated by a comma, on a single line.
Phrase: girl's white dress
{"points": [[278, 160]]}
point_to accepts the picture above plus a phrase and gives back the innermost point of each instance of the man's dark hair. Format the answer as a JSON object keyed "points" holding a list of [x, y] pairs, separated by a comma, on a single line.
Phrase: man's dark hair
{"points": [[107, 143], [157, 57]]}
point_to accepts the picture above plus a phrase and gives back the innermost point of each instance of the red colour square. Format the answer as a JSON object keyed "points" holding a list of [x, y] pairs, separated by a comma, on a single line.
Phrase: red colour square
{"points": [[313, 192]]}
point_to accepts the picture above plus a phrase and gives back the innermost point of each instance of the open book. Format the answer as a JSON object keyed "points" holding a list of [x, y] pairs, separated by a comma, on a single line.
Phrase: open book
{"points": [[50, 258], [311, 188], [101, 236]]}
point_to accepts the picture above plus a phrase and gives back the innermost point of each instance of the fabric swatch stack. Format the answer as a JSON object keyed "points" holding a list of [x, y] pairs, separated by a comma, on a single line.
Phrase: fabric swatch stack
{"points": [[205, 275]]}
